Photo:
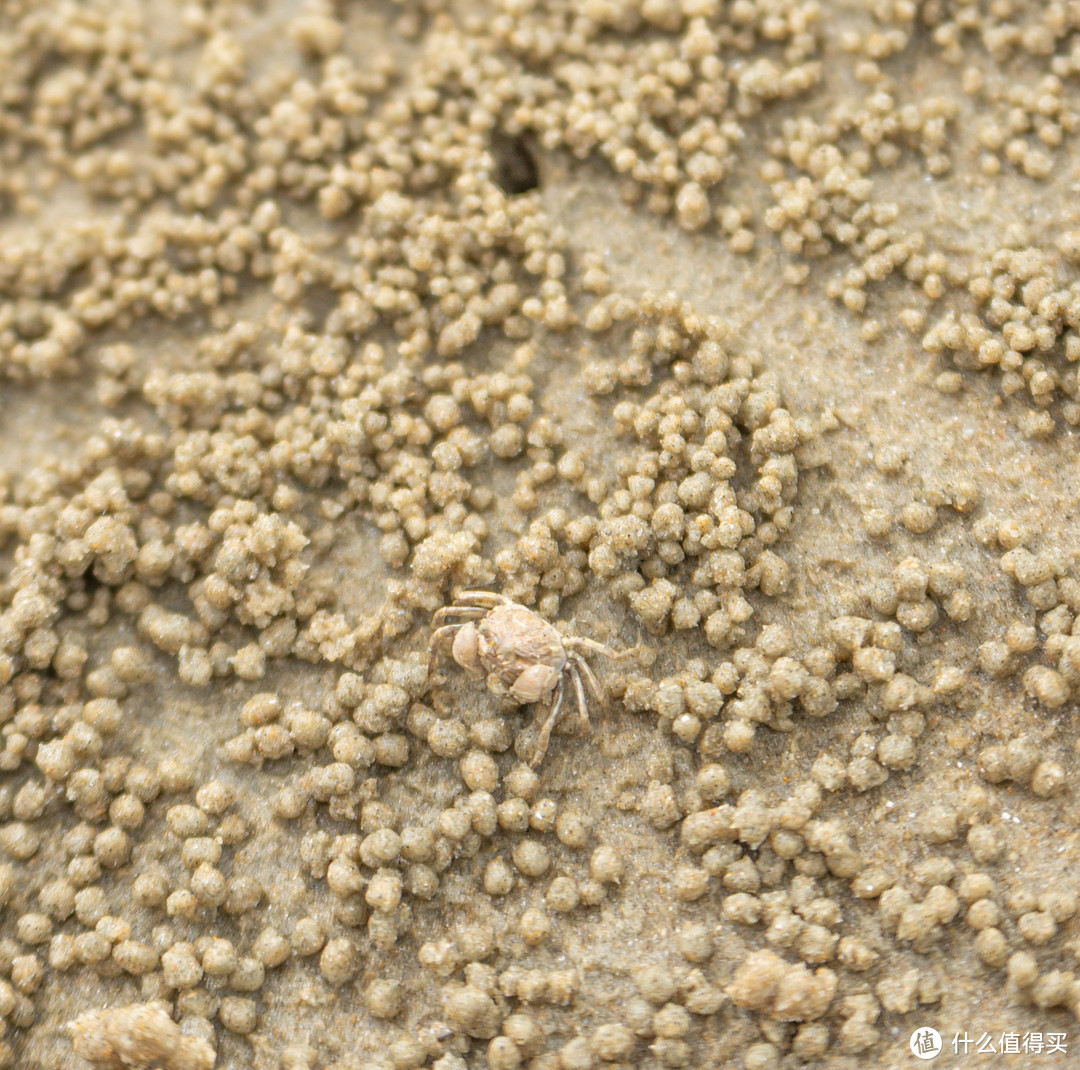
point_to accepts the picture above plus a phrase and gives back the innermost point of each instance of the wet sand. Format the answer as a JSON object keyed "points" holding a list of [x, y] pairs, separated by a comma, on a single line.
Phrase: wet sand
{"points": [[738, 336]]}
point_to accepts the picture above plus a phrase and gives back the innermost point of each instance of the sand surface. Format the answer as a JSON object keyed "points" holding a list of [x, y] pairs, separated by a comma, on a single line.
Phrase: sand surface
{"points": [[737, 335]]}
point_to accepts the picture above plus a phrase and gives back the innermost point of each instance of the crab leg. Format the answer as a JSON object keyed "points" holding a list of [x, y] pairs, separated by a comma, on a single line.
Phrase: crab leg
{"points": [[548, 725], [582, 703], [481, 598], [598, 688], [437, 638], [597, 648], [468, 612]]}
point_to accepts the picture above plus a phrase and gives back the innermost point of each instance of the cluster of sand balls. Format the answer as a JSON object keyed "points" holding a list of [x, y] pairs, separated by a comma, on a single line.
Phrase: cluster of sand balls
{"points": [[1024, 315], [138, 1035], [668, 116], [356, 307]]}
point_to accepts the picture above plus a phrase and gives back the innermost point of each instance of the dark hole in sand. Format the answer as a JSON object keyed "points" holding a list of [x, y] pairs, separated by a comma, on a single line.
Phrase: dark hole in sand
{"points": [[516, 171]]}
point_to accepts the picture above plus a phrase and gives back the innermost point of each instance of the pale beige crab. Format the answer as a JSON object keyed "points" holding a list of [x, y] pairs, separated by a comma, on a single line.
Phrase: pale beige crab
{"points": [[521, 654]]}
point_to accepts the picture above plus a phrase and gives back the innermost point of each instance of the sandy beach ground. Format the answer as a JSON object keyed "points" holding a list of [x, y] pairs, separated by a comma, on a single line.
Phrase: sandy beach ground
{"points": [[740, 336]]}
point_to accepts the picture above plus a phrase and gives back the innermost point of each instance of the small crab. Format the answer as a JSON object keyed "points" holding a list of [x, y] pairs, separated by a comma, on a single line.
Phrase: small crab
{"points": [[523, 656]]}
